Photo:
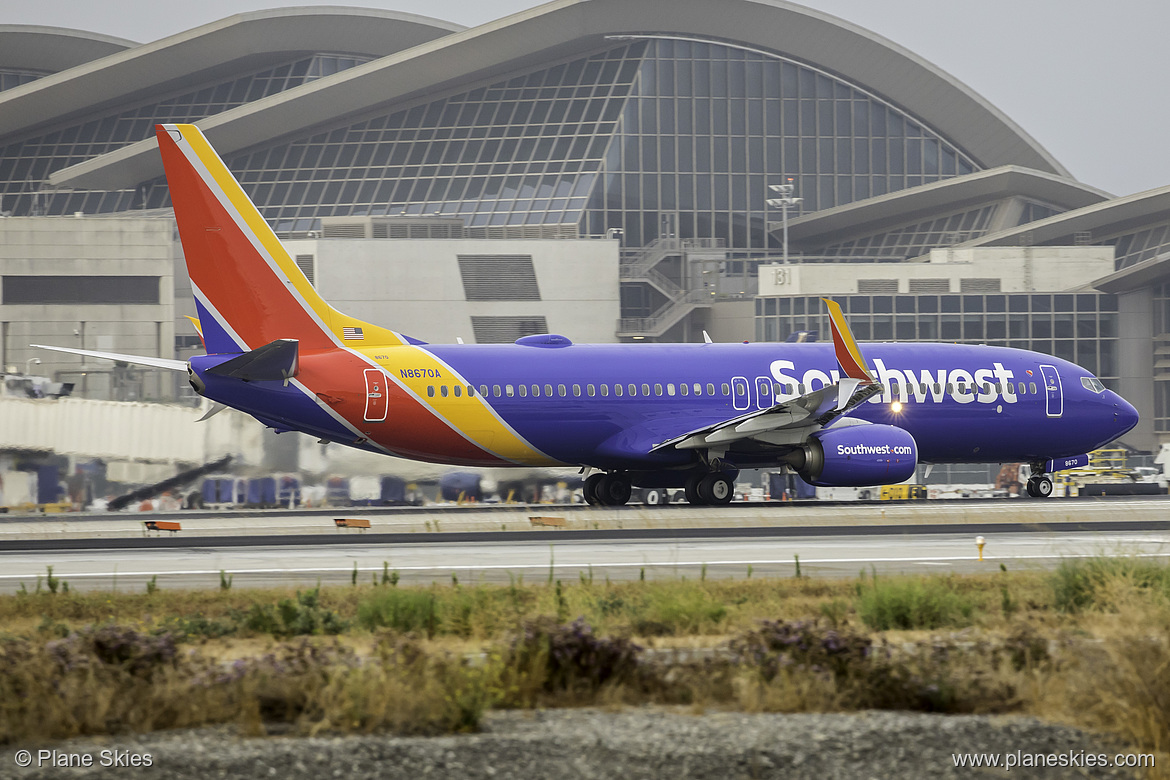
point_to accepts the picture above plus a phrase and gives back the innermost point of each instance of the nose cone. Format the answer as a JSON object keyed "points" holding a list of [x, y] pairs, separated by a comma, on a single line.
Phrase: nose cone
{"points": [[1124, 415]]}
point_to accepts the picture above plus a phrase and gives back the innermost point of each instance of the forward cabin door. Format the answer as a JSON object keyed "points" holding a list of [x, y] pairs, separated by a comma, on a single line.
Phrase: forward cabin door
{"points": [[375, 395], [1053, 393]]}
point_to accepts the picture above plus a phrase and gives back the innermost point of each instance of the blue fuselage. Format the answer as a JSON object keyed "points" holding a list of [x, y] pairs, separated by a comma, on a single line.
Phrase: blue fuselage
{"points": [[961, 403]]}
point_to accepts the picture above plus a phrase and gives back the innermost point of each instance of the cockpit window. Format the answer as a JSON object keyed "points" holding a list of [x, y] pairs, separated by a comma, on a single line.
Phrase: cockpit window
{"points": [[1093, 384]]}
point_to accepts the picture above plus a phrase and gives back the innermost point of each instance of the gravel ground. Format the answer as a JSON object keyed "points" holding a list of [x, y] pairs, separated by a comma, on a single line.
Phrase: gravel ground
{"points": [[630, 744]]}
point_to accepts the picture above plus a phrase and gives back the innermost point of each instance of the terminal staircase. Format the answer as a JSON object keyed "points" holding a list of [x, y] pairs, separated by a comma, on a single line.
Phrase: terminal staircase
{"points": [[642, 267]]}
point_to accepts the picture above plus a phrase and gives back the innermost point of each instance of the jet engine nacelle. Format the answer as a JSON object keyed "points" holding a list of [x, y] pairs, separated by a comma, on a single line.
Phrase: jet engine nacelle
{"points": [[858, 456]]}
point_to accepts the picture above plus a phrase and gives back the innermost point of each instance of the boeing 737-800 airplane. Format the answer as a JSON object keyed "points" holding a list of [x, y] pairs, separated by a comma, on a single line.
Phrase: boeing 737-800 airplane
{"points": [[653, 415]]}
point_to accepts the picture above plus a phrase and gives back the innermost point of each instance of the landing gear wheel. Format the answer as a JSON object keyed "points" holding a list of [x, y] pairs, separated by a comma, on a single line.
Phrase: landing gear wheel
{"points": [[1040, 486], [614, 490], [691, 490], [589, 489], [715, 489], [1043, 486]]}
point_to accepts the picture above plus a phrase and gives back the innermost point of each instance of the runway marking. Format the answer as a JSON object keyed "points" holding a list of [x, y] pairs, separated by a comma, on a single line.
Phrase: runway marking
{"points": [[938, 561]]}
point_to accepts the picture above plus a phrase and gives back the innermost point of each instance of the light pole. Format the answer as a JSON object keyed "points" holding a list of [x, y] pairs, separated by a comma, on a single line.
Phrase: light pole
{"points": [[784, 201], [28, 365]]}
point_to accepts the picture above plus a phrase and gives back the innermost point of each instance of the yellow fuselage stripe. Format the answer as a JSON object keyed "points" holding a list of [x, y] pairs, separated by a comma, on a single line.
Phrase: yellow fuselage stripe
{"points": [[471, 416]]}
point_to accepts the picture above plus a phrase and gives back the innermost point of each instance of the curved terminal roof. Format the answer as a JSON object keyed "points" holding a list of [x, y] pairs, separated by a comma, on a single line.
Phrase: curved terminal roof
{"points": [[226, 46], [565, 27], [1119, 215], [895, 209], [53, 49]]}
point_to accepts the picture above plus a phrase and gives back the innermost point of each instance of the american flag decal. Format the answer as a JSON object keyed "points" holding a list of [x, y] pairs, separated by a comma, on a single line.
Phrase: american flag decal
{"points": [[352, 334]]}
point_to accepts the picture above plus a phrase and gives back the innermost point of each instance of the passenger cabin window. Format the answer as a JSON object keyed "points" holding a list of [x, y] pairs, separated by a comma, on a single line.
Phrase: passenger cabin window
{"points": [[443, 390], [711, 388], [1022, 388], [510, 391], [633, 390], [1032, 388], [646, 389], [698, 389], [496, 391], [605, 390], [548, 391], [617, 390], [562, 392], [725, 388], [430, 391], [684, 388], [536, 391], [577, 391], [590, 390], [657, 389], [670, 389], [458, 389], [523, 391]]}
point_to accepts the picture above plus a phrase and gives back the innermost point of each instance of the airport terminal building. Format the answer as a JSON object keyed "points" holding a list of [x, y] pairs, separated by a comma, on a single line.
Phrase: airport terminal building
{"points": [[609, 162]]}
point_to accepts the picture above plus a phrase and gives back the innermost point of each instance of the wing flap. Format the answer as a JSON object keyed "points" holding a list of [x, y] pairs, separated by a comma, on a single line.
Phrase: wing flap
{"points": [[804, 414]]}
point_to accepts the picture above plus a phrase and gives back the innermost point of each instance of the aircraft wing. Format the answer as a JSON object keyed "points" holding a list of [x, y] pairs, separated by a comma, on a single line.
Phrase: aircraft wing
{"points": [[153, 362], [789, 422], [800, 415]]}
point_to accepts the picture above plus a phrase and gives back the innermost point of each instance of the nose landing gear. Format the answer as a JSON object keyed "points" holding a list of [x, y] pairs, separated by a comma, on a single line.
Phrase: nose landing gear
{"points": [[1039, 484]]}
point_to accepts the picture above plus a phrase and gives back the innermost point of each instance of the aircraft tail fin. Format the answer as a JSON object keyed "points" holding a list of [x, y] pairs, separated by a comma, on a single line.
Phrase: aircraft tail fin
{"points": [[248, 291], [848, 353]]}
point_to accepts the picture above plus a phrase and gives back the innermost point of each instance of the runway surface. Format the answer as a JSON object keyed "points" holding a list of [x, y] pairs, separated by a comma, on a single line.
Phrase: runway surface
{"points": [[618, 555]]}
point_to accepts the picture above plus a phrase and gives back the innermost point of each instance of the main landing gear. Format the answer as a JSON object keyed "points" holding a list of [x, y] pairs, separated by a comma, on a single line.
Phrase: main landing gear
{"points": [[1039, 484], [614, 489], [607, 489], [712, 489]]}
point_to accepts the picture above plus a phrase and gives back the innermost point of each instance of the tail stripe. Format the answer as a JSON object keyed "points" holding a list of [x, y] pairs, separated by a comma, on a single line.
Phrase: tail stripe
{"points": [[217, 334], [226, 229], [265, 294]]}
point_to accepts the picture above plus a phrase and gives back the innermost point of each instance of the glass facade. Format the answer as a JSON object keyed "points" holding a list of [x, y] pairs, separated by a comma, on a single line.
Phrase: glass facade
{"points": [[26, 164], [1162, 357], [653, 136], [914, 240], [711, 125], [12, 77], [1130, 246], [1135, 247], [1078, 327], [520, 151]]}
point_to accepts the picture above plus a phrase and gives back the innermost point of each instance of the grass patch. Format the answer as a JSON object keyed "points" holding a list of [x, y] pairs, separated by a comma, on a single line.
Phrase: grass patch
{"points": [[1101, 583], [1087, 644], [905, 603], [408, 610]]}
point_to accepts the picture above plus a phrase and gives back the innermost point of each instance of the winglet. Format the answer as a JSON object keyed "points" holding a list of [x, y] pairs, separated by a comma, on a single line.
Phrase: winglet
{"points": [[848, 353]]}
